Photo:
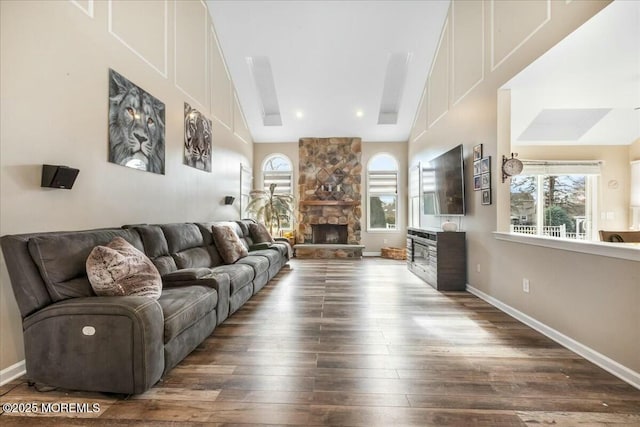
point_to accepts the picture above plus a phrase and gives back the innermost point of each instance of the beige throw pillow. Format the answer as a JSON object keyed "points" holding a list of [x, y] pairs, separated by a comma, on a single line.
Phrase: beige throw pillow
{"points": [[119, 269], [259, 233], [228, 243]]}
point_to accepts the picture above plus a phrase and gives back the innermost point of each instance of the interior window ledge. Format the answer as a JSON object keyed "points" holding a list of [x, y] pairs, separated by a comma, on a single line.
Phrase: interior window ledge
{"points": [[612, 250]]}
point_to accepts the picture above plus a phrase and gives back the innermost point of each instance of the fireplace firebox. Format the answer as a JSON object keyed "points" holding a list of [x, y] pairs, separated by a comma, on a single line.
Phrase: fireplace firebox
{"points": [[329, 234]]}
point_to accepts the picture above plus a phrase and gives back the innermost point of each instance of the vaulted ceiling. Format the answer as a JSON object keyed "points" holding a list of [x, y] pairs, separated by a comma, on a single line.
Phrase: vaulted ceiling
{"points": [[329, 68]]}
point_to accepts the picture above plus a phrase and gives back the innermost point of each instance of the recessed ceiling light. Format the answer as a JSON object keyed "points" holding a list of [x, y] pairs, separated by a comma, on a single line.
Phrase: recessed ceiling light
{"points": [[359, 113], [299, 114]]}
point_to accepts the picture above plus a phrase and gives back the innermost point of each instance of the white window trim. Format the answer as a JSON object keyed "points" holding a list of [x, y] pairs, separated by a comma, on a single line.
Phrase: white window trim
{"points": [[396, 195], [591, 170], [284, 156], [292, 183]]}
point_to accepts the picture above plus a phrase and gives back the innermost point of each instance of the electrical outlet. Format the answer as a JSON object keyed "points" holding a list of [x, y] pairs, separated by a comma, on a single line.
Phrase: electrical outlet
{"points": [[385, 241], [478, 268], [525, 285]]}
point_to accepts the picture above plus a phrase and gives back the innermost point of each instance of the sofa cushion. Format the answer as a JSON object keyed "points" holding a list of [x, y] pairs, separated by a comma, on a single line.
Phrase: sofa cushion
{"points": [[188, 248], [119, 269], [273, 256], [183, 307], [240, 275], [61, 259], [193, 258], [182, 236], [259, 233], [156, 247], [228, 243], [260, 264]]}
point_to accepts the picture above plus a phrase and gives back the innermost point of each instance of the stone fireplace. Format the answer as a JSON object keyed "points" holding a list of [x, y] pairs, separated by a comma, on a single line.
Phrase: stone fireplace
{"points": [[329, 194]]}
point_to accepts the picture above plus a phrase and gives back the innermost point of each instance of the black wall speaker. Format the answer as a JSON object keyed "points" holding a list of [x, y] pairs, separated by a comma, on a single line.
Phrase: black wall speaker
{"points": [[228, 200], [58, 176]]}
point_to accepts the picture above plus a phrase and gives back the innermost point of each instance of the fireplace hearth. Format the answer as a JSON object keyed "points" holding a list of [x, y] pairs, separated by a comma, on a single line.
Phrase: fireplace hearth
{"points": [[329, 234]]}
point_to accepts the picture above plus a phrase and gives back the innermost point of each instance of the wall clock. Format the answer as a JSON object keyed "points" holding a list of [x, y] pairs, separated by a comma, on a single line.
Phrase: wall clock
{"points": [[510, 166]]}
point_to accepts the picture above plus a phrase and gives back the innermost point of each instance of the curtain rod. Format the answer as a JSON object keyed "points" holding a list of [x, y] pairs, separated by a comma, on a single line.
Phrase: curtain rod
{"points": [[563, 162]]}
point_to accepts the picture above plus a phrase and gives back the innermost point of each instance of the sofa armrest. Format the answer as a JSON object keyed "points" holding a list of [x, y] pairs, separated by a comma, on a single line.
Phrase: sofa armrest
{"points": [[287, 243], [260, 246], [107, 344], [185, 274], [195, 276]]}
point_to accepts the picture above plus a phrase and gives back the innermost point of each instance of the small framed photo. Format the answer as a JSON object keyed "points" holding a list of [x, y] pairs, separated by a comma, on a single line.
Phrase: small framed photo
{"points": [[477, 168], [486, 196], [485, 181], [485, 164], [477, 182], [477, 152]]}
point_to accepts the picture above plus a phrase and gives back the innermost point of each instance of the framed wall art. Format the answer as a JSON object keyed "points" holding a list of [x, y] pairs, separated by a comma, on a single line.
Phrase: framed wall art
{"points": [[485, 181], [136, 126], [197, 139], [477, 152], [486, 196]]}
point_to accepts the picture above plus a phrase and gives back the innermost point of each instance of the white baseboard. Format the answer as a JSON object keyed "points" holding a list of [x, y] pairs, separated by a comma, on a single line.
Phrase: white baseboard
{"points": [[609, 365], [12, 372], [371, 253]]}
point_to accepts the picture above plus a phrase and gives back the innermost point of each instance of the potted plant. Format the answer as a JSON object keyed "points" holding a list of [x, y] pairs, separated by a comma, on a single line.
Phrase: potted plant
{"points": [[270, 208]]}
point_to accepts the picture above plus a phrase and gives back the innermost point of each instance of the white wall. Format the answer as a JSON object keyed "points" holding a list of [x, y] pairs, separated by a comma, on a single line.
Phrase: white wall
{"points": [[55, 60], [594, 300]]}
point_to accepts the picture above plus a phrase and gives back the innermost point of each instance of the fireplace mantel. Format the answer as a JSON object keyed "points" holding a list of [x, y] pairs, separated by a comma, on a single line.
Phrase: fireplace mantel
{"points": [[329, 203]]}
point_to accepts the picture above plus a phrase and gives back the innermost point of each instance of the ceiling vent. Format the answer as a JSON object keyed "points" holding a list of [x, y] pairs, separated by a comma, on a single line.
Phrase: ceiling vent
{"points": [[394, 83], [260, 69]]}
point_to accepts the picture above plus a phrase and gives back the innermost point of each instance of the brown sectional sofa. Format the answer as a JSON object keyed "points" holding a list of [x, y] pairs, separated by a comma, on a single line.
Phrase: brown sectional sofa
{"points": [[76, 340]]}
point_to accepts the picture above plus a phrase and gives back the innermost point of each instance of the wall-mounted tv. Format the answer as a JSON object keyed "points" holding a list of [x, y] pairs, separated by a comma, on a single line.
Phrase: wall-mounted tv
{"points": [[443, 184]]}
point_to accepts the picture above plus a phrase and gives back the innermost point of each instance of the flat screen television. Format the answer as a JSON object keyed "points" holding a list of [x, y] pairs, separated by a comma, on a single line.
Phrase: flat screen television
{"points": [[443, 184]]}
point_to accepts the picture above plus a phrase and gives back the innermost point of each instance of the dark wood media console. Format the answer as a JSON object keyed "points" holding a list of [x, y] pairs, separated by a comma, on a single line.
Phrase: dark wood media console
{"points": [[438, 257]]}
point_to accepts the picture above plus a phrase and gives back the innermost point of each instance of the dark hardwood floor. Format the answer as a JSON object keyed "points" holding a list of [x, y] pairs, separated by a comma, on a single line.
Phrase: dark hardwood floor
{"points": [[363, 343]]}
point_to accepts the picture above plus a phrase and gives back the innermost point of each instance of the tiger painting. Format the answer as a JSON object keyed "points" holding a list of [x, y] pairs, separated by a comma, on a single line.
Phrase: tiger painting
{"points": [[197, 139], [136, 126]]}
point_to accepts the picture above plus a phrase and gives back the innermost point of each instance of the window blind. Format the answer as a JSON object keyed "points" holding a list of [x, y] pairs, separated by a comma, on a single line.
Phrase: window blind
{"points": [[428, 180], [383, 182], [282, 179]]}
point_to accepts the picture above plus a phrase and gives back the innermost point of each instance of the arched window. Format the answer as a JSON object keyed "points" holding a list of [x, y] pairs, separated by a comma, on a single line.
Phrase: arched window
{"points": [[382, 193], [278, 169]]}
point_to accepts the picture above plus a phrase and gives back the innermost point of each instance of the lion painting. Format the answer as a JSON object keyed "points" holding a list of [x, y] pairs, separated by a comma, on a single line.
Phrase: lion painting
{"points": [[197, 139], [136, 126]]}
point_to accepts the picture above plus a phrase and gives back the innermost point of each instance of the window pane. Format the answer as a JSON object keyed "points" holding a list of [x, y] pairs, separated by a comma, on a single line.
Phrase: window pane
{"points": [[383, 162], [382, 212], [564, 206], [382, 190], [523, 204], [278, 170], [551, 205], [277, 163]]}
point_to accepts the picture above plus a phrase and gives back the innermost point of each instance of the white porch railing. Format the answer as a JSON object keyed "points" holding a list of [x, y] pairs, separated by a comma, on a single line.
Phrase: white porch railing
{"points": [[547, 230]]}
